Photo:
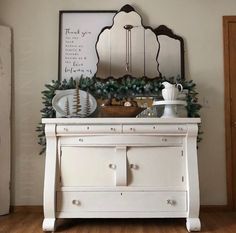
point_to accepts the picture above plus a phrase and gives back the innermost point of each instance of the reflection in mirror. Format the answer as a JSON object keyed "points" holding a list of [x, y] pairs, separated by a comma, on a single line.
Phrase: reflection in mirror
{"points": [[127, 48], [171, 54]]}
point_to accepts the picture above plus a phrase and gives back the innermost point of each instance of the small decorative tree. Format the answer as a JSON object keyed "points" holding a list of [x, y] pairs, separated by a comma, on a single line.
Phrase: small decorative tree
{"points": [[76, 101], [67, 107], [87, 107]]}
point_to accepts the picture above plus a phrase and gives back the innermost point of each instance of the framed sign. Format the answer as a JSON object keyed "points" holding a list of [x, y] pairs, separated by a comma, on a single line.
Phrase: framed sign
{"points": [[78, 32]]}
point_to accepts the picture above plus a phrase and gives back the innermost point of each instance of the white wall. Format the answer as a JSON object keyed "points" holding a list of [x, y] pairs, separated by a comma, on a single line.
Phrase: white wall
{"points": [[35, 32]]}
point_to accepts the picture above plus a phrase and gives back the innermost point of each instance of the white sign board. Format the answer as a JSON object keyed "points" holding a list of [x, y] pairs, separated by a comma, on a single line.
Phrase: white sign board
{"points": [[77, 44]]}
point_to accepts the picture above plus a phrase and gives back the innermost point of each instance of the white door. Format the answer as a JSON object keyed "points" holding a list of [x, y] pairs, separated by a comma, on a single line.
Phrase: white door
{"points": [[5, 106]]}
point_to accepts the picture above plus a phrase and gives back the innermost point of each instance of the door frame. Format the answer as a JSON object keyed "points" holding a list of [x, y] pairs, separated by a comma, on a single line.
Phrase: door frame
{"points": [[230, 160]]}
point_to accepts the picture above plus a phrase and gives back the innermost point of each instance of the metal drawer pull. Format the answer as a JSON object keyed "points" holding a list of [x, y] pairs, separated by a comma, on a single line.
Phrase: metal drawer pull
{"points": [[88, 128], [133, 166], [180, 129], [113, 129], [81, 140], [171, 202], [112, 166], [66, 129], [132, 129], [76, 202]]}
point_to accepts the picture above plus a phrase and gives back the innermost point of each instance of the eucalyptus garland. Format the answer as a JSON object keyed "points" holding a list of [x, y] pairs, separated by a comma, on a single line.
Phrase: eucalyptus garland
{"points": [[118, 89]]}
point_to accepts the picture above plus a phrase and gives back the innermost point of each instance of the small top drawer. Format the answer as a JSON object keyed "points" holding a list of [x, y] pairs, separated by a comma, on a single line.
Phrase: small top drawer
{"points": [[166, 129], [139, 128], [87, 129], [158, 129]]}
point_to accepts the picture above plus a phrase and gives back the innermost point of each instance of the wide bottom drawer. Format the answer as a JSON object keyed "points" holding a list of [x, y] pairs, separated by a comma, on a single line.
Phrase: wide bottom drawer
{"points": [[121, 201]]}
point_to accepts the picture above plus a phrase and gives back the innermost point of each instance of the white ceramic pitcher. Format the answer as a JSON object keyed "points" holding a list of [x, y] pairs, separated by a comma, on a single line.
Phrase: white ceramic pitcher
{"points": [[171, 91]]}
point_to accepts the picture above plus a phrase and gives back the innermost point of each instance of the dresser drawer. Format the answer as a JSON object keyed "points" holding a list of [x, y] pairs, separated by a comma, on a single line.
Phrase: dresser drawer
{"points": [[156, 129], [139, 129], [127, 140], [172, 129], [121, 201], [88, 129]]}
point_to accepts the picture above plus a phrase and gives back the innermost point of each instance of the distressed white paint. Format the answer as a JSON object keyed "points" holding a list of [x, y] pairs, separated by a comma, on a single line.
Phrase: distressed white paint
{"points": [[5, 106], [146, 168]]}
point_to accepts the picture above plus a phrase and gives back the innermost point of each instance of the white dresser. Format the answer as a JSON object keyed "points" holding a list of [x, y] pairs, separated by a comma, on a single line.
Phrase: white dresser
{"points": [[121, 168]]}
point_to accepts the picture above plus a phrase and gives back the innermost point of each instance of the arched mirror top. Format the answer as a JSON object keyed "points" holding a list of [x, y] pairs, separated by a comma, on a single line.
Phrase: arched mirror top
{"points": [[127, 47]]}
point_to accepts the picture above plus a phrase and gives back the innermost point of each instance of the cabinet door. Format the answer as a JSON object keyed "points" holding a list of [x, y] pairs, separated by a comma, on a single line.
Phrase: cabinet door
{"points": [[87, 166], [162, 167]]}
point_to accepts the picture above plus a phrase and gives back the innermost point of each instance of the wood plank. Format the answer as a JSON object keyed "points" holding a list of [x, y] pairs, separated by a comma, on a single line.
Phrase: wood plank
{"points": [[26, 209]]}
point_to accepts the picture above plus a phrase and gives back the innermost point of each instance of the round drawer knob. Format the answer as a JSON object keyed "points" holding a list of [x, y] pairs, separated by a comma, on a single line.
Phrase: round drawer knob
{"points": [[164, 139], [113, 129], [133, 166], [112, 166], [76, 202]]}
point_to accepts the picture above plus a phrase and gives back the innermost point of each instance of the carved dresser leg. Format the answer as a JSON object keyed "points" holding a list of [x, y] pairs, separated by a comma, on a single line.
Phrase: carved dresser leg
{"points": [[49, 224], [193, 224]]}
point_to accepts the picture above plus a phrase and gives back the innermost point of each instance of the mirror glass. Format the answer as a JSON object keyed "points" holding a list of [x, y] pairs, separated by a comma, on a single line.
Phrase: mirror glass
{"points": [[171, 53], [169, 56], [127, 48]]}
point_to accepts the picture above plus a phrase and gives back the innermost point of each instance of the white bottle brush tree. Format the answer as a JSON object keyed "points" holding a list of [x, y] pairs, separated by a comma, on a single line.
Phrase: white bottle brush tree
{"points": [[67, 108]]}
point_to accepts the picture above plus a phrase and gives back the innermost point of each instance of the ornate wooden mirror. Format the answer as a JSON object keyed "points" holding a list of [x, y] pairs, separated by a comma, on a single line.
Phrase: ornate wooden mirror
{"points": [[129, 48]]}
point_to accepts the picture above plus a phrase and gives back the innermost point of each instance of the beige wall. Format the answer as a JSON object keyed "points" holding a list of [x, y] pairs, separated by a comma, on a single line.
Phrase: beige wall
{"points": [[35, 44]]}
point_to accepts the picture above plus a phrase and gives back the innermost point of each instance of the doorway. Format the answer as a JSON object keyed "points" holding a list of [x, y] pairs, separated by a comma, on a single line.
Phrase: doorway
{"points": [[229, 36]]}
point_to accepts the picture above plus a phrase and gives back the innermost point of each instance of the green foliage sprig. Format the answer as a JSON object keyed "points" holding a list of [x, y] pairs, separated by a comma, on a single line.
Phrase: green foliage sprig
{"points": [[119, 89], [127, 86]]}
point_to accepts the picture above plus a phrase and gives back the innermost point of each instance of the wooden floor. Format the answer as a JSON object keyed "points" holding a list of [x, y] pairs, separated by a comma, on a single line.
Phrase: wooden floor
{"points": [[218, 222]]}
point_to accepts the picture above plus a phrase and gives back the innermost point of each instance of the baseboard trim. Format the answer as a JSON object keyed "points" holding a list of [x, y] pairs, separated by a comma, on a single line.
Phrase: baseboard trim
{"points": [[39, 208], [27, 209]]}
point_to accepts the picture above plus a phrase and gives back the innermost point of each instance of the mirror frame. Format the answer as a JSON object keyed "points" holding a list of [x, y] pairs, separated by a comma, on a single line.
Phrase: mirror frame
{"points": [[160, 30], [164, 30]]}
